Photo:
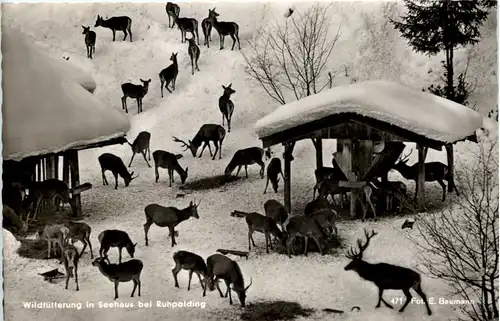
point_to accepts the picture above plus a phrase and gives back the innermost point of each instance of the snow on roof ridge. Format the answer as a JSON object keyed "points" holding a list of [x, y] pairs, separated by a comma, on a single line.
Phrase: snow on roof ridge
{"points": [[419, 112]]}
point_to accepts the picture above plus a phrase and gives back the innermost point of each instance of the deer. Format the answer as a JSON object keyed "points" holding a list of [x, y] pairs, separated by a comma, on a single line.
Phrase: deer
{"points": [[52, 190], [306, 227], [226, 105], [90, 37], [326, 219], [385, 276], [141, 145], [224, 28], [115, 238], [134, 91], [13, 222], [187, 25], [168, 216], [169, 161], [173, 11], [70, 259], [273, 170], [79, 231], [206, 134], [169, 74], [206, 27], [122, 23], [55, 234], [115, 164], [122, 272], [245, 157], [334, 174], [316, 205], [221, 267], [192, 262], [264, 224], [275, 210], [393, 190], [194, 54]]}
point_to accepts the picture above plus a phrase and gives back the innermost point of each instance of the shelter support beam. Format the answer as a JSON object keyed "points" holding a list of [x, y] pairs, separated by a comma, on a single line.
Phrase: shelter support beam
{"points": [[75, 179], [288, 158], [420, 192], [318, 145], [449, 154]]}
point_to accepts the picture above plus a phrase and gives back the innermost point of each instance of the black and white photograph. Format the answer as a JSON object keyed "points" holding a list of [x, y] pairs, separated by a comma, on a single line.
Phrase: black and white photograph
{"points": [[255, 161]]}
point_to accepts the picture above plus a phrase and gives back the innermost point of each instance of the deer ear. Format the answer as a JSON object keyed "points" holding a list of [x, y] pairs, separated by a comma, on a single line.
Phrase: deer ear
{"points": [[223, 87], [230, 85], [186, 170], [135, 244]]}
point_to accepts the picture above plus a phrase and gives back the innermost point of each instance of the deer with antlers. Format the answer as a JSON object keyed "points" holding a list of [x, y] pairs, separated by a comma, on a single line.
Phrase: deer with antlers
{"points": [[434, 171], [206, 134], [385, 276]]}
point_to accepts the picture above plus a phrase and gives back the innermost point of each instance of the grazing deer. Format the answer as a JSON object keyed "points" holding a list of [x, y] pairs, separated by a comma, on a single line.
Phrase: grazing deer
{"points": [[245, 157], [224, 28], [330, 187], [273, 170], [141, 145], [134, 91], [169, 74], [326, 219], [54, 234], [191, 262], [334, 174], [52, 190], [385, 276], [123, 272], [222, 267], [226, 105], [306, 227], [115, 238], [79, 231], [90, 37], [264, 224], [173, 11], [187, 25], [206, 27], [276, 211], [194, 54], [393, 190], [169, 161], [70, 259], [122, 23], [206, 134], [316, 205], [434, 171], [168, 216], [13, 222], [115, 164]]}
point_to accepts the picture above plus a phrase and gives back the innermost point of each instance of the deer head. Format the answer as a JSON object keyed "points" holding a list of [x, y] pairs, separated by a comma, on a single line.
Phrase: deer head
{"points": [[228, 91], [145, 83], [173, 57], [130, 177], [242, 292], [402, 160], [194, 209], [99, 21], [85, 30], [189, 145], [131, 249], [212, 14], [357, 257], [268, 153]]}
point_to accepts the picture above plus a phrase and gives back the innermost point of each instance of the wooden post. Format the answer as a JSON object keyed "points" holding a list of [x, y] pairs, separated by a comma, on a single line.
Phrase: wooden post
{"points": [[50, 166], [75, 179], [44, 169], [39, 170], [56, 166], [287, 157], [365, 156], [420, 192], [449, 154], [65, 169], [318, 145]]}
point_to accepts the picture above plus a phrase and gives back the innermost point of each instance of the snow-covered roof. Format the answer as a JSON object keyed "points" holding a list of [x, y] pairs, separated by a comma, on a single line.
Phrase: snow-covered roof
{"points": [[47, 106], [419, 112]]}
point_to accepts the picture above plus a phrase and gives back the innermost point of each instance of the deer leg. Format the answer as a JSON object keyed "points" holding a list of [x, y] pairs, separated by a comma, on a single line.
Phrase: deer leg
{"points": [[113, 30], [131, 159], [147, 225], [201, 282], [218, 287], [223, 119], [161, 87], [373, 209], [229, 291], [133, 289], [238, 171], [408, 298], [320, 247], [246, 171], [144, 155], [192, 66], [203, 149], [444, 188], [124, 104], [221, 41], [76, 277], [306, 241], [170, 174], [84, 247], [418, 289], [385, 302], [262, 166], [90, 245], [116, 288], [234, 41], [267, 183], [119, 255], [172, 235], [190, 277], [210, 148], [289, 243], [157, 175], [238, 38], [216, 144], [196, 63], [48, 250], [116, 180], [67, 274], [267, 242]]}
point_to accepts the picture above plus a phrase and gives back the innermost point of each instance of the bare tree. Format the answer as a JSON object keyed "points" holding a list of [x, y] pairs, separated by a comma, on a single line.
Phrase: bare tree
{"points": [[290, 59], [460, 243]]}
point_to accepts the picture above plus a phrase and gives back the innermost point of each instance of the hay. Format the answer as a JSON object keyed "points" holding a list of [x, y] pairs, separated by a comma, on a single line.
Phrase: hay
{"points": [[333, 245], [274, 310], [209, 182], [49, 217], [37, 249]]}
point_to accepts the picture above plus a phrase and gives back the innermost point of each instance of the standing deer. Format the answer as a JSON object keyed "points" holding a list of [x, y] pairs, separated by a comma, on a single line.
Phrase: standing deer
{"points": [[123, 272], [191, 262], [90, 37], [134, 91], [316, 205], [273, 170], [169, 74], [206, 134], [226, 105], [70, 259], [169, 161], [264, 224], [141, 145], [173, 11], [122, 23], [222, 267], [52, 190], [13, 222], [115, 238], [168, 216], [434, 171], [206, 27], [187, 25], [115, 164], [54, 234], [275, 210], [80, 231], [306, 227], [245, 157], [224, 28], [194, 54], [385, 276]]}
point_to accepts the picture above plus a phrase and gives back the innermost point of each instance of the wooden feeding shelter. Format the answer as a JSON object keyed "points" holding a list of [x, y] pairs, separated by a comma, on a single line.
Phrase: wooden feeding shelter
{"points": [[362, 115], [49, 112]]}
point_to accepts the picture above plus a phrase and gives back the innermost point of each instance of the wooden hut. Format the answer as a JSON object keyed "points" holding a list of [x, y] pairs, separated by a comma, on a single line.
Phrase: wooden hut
{"points": [[50, 113], [359, 114]]}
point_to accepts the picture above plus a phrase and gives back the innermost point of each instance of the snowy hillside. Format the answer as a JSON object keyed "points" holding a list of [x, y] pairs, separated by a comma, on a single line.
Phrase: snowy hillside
{"points": [[316, 281]]}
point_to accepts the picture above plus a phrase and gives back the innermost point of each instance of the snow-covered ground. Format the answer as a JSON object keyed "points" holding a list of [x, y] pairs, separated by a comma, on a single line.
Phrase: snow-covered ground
{"points": [[316, 281]]}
